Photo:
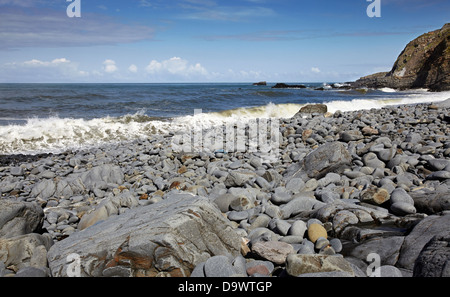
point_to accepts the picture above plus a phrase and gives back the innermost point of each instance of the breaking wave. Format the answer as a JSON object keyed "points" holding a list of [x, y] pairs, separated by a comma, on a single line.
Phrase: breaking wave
{"points": [[55, 134]]}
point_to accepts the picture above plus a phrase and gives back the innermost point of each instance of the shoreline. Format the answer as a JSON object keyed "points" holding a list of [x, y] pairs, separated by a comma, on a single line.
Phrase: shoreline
{"points": [[376, 162], [54, 135]]}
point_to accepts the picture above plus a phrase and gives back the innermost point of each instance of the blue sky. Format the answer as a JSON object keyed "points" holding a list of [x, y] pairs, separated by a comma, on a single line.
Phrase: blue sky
{"points": [[207, 40]]}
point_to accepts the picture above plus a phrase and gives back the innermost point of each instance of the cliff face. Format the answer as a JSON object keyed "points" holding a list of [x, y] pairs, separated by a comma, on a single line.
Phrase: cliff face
{"points": [[424, 63]]}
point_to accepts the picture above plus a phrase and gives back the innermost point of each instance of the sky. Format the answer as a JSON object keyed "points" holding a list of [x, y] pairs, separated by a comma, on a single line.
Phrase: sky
{"points": [[168, 41]]}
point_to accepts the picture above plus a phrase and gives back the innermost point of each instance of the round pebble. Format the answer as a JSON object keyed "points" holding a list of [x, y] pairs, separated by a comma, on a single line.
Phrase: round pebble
{"points": [[315, 231]]}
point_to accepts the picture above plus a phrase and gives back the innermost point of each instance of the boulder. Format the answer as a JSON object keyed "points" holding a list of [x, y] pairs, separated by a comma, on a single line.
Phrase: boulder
{"points": [[171, 237], [19, 218], [23, 251], [434, 259], [422, 233], [314, 108], [388, 248], [431, 202], [330, 157]]}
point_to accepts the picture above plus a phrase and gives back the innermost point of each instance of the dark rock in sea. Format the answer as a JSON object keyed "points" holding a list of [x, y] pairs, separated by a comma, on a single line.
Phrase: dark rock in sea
{"points": [[286, 86], [261, 83], [424, 63]]}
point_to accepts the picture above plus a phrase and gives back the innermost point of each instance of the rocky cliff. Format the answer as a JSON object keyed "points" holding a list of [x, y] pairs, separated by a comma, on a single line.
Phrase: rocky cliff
{"points": [[424, 63]]}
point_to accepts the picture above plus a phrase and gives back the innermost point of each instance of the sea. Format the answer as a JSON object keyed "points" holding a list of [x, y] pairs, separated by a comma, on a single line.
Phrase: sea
{"points": [[52, 118]]}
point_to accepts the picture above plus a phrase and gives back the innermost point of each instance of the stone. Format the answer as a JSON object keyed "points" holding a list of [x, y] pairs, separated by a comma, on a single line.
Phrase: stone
{"points": [[438, 164], [421, 234], [321, 242], [295, 185], [367, 130], [258, 269], [439, 175], [32, 272], [431, 202], [16, 171], [371, 160], [336, 244], [298, 228], [351, 135], [386, 155], [402, 208], [99, 176], [281, 196], [18, 251], [19, 218], [199, 270], [315, 231], [389, 271], [330, 157], [218, 266], [387, 248], [239, 265], [238, 179], [299, 204], [224, 201], [374, 195], [313, 108], [172, 236], [44, 189], [330, 178], [107, 208], [342, 219], [400, 195], [434, 259], [298, 264], [282, 227], [273, 251]]}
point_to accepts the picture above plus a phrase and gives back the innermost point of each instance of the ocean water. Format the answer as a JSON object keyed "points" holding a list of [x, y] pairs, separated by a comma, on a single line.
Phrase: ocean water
{"points": [[43, 118]]}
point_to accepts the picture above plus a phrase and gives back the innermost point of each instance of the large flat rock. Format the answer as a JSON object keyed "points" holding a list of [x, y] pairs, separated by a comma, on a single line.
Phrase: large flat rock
{"points": [[170, 237]]}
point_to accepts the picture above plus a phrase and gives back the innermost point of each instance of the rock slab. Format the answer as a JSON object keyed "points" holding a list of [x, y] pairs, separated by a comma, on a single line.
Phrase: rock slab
{"points": [[299, 264], [19, 218], [170, 237]]}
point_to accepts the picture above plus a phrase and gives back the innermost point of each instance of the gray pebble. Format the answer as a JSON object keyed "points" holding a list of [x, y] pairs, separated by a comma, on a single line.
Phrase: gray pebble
{"points": [[400, 195], [298, 228], [218, 266], [403, 208]]}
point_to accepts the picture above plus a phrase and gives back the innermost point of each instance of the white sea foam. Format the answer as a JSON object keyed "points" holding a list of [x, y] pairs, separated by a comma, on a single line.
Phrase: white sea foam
{"points": [[416, 97], [56, 134], [388, 90]]}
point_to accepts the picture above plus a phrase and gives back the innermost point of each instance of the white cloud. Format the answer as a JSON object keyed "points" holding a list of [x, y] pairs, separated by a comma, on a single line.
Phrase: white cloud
{"points": [[133, 68], [109, 66], [177, 68], [315, 70], [35, 70]]}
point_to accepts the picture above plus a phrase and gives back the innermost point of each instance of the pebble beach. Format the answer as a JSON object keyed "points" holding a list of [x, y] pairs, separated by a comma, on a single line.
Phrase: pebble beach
{"points": [[359, 192]]}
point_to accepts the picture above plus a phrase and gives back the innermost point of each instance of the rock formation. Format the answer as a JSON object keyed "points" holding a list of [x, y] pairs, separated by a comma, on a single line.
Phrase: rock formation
{"points": [[424, 63]]}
